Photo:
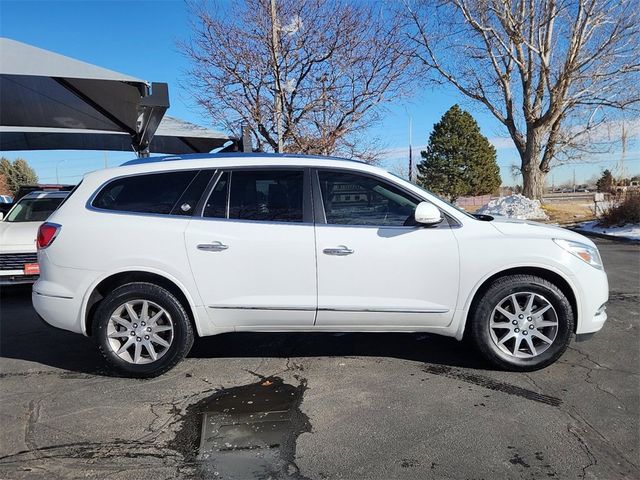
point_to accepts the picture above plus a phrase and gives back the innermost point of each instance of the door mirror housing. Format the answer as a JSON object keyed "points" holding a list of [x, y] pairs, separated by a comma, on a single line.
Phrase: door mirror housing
{"points": [[427, 214]]}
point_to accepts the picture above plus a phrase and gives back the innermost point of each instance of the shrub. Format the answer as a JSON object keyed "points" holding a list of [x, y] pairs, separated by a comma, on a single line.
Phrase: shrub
{"points": [[623, 212]]}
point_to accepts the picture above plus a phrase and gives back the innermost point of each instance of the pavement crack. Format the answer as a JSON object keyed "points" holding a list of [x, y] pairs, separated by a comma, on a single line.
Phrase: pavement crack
{"points": [[30, 426], [585, 448]]}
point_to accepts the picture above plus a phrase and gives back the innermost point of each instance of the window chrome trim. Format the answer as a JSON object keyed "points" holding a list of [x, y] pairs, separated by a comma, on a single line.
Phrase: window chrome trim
{"points": [[242, 220], [317, 213]]}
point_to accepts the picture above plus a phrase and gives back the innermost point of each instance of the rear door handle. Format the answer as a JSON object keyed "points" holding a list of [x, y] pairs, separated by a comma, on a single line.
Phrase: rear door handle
{"points": [[340, 251], [213, 246]]}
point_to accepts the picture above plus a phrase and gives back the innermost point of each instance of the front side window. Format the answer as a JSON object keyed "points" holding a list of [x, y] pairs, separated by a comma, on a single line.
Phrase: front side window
{"points": [[267, 195], [153, 193], [353, 199], [33, 209]]}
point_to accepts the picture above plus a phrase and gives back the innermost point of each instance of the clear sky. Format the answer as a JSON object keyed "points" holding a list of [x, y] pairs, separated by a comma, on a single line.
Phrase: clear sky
{"points": [[139, 38]]}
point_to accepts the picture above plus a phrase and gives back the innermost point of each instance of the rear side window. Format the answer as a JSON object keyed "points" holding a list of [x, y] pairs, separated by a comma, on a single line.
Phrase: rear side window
{"points": [[191, 196], [153, 193], [267, 195]]}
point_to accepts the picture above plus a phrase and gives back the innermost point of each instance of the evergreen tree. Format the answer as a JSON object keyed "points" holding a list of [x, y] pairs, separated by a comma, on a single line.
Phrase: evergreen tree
{"points": [[605, 182], [459, 160], [4, 186], [17, 173]]}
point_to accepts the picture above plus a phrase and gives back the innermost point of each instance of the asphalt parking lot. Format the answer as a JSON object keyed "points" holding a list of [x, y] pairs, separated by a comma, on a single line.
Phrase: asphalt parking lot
{"points": [[324, 406]]}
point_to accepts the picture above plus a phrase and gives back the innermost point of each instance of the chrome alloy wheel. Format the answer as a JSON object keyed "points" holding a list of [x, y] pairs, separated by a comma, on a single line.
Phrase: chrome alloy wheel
{"points": [[523, 324], [140, 331]]}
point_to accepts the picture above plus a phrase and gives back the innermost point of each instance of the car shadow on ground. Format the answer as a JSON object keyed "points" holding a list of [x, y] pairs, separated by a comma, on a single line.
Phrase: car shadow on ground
{"points": [[24, 336], [418, 347]]}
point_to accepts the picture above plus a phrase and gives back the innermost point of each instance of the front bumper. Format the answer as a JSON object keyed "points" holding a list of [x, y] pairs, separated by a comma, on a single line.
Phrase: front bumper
{"points": [[17, 279], [593, 294]]}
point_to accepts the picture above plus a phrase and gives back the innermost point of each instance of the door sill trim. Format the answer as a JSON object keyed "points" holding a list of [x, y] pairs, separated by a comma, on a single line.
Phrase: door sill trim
{"points": [[326, 309], [382, 310], [257, 307]]}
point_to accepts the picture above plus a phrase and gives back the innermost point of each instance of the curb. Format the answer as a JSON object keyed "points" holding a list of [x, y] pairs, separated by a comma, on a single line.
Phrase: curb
{"points": [[589, 233]]}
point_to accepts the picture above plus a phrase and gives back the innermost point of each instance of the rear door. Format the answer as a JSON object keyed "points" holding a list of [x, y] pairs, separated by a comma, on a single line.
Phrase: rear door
{"points": [[252, 249], [376, 267]]}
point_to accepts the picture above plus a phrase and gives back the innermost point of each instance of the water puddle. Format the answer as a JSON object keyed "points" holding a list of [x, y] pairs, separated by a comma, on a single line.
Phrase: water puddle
{"points": [[245, 432]]}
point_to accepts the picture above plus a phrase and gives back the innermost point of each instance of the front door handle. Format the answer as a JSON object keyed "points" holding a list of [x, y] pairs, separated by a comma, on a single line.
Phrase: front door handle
{"points": [[213, 246], [340, 251]]}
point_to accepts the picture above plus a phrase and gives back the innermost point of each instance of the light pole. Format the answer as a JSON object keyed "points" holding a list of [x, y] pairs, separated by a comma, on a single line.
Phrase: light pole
{"points": [[410, 148], [58, 163], [323, 80]]}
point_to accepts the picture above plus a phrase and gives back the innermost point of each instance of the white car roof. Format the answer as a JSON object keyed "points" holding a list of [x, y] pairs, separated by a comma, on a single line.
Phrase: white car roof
{"points": [[226, 160]]}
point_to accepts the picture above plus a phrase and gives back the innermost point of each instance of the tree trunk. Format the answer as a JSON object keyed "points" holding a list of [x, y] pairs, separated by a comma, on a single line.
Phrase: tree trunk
{"points": [[533, 181], [533, 178]]}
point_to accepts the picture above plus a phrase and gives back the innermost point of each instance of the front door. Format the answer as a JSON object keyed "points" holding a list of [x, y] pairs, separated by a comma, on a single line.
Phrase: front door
{"points": [[376, 268], [252, 252]]}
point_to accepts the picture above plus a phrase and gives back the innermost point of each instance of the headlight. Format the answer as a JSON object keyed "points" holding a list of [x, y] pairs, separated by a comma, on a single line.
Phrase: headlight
{"points": [[584, 252]]}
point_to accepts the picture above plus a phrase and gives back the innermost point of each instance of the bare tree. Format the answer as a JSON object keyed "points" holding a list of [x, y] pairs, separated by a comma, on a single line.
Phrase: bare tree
{"points": [[307, 76], [551, 71]]}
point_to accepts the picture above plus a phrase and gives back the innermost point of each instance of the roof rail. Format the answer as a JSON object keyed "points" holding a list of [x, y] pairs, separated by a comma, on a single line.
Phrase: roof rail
{"points": [[213, 156]]}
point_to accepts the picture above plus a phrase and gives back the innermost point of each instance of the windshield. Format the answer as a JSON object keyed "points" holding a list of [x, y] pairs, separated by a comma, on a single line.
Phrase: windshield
{"points": [[33, 209]]}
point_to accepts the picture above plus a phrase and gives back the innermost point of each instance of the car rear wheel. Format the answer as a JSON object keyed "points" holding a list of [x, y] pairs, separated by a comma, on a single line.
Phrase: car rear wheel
{"points": [[142, 330], [522, 323]]}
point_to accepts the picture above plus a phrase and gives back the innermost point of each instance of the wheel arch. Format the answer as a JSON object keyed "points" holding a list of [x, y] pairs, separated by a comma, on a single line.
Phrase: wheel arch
{"points": [[116, 279], [552, 276]]}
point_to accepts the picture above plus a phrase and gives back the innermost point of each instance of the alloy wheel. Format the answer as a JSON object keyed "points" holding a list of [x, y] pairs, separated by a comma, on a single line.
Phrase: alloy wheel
{"points": [[140, 331], [523, 324]]}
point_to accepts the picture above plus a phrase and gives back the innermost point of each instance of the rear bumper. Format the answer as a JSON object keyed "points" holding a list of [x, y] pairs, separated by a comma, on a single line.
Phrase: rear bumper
{"points": [[59, 312]]}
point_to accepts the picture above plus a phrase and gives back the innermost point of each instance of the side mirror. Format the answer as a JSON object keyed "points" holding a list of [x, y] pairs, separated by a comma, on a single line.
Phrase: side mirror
{"points": [[427, 214]]}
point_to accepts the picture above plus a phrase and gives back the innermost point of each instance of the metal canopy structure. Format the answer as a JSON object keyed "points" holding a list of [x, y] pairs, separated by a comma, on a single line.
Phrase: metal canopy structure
{"points": [[173, 136], [49, 101]]}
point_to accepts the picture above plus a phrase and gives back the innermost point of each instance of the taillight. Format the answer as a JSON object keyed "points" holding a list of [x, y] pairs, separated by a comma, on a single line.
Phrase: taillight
{"points": [[47, 233]]}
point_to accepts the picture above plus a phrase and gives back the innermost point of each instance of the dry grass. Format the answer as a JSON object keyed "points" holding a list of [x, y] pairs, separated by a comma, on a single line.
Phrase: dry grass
{"points": [[565, 213]]}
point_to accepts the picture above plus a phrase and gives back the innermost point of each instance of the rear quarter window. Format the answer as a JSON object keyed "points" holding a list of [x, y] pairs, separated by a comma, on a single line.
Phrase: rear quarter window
{"points": [[150, 193]]}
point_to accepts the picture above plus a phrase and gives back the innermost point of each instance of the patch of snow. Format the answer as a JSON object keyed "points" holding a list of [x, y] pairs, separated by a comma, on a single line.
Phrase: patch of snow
{"points": [[514, 206], [630, 230]]}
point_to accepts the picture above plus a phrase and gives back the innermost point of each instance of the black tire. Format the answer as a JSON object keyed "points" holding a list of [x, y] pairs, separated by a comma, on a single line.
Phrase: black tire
{"points": [[480, 332], [182, 330]]}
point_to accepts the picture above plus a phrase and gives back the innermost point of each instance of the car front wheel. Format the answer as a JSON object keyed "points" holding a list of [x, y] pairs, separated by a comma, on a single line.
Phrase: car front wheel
{"points": [[142, 330], [522, 323]]}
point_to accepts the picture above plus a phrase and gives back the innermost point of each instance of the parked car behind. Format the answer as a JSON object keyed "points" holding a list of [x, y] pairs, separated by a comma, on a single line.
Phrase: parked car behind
{"points": [[145, 256], [18, 231], [6, 202]]}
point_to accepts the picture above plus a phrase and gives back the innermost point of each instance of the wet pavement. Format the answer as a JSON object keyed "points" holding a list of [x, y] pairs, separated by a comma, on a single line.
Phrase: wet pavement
{"points": [[245, 432], [324, 406]]}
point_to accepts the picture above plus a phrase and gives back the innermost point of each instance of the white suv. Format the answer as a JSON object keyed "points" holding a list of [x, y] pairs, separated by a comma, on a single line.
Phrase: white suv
{"points": [[145, 256]]}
